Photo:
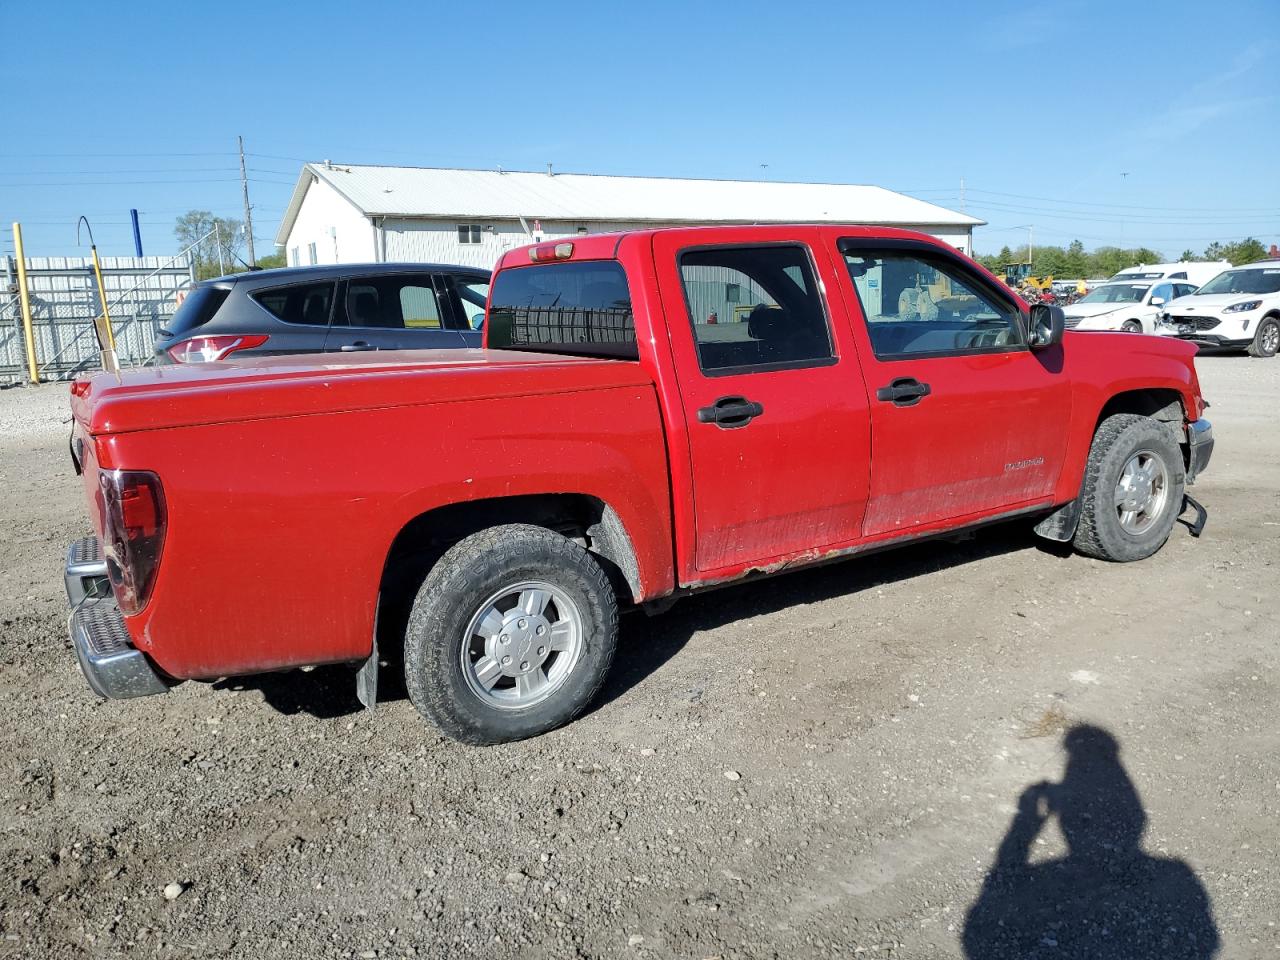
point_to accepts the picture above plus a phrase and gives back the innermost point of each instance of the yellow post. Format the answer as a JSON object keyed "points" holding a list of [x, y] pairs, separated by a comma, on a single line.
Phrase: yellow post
{"points": [[25, 299], [102, 294]]}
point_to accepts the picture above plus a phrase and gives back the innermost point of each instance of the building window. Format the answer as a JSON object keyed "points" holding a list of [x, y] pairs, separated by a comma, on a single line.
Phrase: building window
{"points": [[582, 231], [293, 257], [469, 233], [311, 253]]}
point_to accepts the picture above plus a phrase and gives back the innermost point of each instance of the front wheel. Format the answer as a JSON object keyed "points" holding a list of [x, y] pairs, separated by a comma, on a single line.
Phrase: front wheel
{"points": [[1132, 491], [511, 635], [1131, 326], [1266, 339]]}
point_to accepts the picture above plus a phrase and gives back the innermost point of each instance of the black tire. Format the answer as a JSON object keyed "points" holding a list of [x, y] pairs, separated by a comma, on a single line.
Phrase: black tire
{"points": [[1131, 326], [456, 589], [1117, 439], [1266, 338]]}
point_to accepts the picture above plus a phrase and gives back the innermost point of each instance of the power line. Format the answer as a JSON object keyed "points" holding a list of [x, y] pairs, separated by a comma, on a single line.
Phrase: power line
{"points": [[219, 153], [1070, 216], [117, 183], [1118, 206], [58, 173]]}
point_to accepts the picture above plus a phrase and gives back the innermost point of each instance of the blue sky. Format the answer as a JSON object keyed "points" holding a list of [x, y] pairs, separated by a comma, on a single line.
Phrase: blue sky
{"points": [[1117, 123]]}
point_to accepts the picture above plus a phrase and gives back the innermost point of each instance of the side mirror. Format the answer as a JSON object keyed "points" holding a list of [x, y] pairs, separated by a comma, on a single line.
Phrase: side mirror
{"points": [[1157, 301], [1047, 324]]}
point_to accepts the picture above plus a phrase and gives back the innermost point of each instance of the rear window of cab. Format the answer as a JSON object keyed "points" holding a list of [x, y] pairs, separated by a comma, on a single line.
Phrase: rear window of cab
{"points": [[581, 308]]}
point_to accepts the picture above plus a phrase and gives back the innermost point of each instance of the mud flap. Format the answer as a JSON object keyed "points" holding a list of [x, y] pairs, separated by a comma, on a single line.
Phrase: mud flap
{"points": [[367, 677], [1061, 524], [1202, 515]]}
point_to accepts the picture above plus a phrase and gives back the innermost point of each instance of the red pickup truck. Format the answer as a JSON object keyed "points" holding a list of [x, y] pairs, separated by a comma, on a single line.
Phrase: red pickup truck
{"points": [[654, 413]]}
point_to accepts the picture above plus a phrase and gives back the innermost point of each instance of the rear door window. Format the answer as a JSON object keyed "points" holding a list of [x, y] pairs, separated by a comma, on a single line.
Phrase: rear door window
{"points": [[579, 308], [754, 308], [305, 304]]}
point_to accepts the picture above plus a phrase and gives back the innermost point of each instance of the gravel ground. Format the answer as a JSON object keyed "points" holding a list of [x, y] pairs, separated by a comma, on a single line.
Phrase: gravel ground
{"points": [[827, 764]]}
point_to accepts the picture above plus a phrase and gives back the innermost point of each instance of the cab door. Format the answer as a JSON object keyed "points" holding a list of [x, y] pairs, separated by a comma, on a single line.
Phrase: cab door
{"points": [[774, 406], [966, 421]]}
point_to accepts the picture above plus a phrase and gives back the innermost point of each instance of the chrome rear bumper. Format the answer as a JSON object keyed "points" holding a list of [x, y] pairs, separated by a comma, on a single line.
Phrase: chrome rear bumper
{"points": [[86, 573], [113, 666]]}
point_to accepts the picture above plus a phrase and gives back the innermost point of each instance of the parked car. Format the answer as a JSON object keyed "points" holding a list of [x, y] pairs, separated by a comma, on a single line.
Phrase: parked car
{"points": [[1129, 306], [657, 413], [1239, 308], [1198, 272], [346, 308]]}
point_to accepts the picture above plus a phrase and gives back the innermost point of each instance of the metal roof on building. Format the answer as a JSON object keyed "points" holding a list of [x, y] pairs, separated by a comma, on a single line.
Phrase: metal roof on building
{"points": [[477, 194]]}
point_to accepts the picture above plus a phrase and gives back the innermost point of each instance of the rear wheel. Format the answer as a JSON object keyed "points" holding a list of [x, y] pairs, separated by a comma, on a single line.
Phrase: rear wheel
{"points": [[511, 635], [1132, 491], [1131, 326], [1266, 339]]}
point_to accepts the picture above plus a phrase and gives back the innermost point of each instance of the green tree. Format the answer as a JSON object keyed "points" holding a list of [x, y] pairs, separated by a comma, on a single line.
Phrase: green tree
{"points": [[1244, 251], [215, 242], [1188, 255], [1215, 251], [271, 260], [1077, 262]]}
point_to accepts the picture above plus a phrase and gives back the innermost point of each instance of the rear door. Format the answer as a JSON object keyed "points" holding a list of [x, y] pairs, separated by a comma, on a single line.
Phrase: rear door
{"points": [[401, 311], [965, 419], [773, 401]]}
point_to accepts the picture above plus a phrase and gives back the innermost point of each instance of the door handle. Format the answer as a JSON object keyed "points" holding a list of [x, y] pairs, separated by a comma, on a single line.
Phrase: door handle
{"points": [[904, 392], [357, 346], [730, 412]]}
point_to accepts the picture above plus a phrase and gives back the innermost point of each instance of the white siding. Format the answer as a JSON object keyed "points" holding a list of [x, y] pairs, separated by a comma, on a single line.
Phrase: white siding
{"points": [[959, 237], [436, 241], [341, 233]]}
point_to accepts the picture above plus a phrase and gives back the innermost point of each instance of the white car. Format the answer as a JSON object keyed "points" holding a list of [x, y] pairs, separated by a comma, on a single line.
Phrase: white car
{"points": [[1196, 272], [1239, 308], [1133, 307]]}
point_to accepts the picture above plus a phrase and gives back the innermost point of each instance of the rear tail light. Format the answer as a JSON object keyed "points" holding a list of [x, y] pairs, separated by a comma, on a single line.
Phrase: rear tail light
{"points": [[208, 349], [131, 503]]}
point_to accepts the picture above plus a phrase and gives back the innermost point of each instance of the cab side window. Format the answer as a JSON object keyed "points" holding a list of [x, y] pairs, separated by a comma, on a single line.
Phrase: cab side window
{"points": [[1163, 291], [754, 308], [920, 303]]}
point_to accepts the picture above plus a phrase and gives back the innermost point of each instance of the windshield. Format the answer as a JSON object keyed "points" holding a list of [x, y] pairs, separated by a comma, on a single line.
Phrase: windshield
{"points": [[1266, 280], [1138, 276], [580, 308], [1117, 293]]}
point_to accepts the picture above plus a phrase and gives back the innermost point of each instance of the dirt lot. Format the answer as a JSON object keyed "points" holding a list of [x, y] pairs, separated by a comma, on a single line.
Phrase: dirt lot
{"points": [[828, 764]]}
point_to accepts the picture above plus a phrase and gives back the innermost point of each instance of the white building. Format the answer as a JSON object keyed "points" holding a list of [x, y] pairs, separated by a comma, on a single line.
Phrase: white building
{"points": [[348, 214]]}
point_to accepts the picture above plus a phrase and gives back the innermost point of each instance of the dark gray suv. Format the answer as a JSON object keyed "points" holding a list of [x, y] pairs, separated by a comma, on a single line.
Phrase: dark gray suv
{"points": [[347, 307]]}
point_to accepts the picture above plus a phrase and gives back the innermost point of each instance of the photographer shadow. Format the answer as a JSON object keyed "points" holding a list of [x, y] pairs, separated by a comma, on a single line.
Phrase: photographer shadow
{"points": [[1106, 898]]}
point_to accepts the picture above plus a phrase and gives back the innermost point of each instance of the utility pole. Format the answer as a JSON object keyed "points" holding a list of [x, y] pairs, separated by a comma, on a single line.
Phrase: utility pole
{"points": [[1030, 249], [248, 215]]}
